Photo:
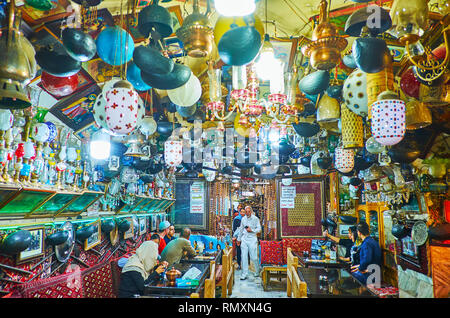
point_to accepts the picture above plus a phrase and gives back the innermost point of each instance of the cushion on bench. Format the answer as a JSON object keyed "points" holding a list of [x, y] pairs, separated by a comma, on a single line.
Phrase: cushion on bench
{"points": [[297, 245], [271, 253]]}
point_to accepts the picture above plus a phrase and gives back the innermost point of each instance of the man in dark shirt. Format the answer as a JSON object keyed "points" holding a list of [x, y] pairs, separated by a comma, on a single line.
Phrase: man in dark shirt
{"points": [[236, 225], [170, 235], [369, 254]]}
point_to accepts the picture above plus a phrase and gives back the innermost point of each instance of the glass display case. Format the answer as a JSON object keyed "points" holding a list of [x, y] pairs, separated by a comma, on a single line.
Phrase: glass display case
{"points": [[24, 201], [373, 224], [53, 204], [80, 204]]}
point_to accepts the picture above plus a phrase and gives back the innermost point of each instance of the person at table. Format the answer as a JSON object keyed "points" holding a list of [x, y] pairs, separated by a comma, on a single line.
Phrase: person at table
{"points": [[350, 244], [163, 230], [236, 224], [178, 248], [247, 239], [369, 254], [140, 268], [170, 234]]}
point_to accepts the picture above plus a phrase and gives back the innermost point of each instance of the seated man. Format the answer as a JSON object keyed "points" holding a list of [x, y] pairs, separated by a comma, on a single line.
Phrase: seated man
{"points": [[170, 235], [369, 254], [177, 248]]}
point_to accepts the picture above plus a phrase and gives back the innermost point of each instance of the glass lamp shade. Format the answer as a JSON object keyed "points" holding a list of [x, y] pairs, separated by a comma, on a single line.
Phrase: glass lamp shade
{"points": [[6, 119], [388, 121], [344, 160], [115, 46], [100, 145], [409, 84], [239, 77], [409, 17], [354, 92], [40, 132], [352, 129], [418, 115], [235, 8], [121, 110], [148, 126], [373, 146], [173, 152], [328, 109], [187, 94]]}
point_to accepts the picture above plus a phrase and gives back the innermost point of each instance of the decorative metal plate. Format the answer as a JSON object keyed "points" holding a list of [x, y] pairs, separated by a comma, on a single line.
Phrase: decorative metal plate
{"points": [[419, 233]]}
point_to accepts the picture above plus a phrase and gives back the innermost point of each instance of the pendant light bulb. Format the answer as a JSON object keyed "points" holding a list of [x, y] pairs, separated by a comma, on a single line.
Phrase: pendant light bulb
{"points": [[100, 145], [267, 65], [235, 8]]}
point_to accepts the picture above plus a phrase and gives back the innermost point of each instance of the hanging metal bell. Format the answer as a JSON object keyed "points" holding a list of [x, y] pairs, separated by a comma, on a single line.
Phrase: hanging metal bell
{"points": [[155, 17]]}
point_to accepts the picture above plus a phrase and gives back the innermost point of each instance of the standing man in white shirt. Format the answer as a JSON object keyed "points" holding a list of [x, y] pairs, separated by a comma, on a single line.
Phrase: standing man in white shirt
{"points": [[247, 239]]}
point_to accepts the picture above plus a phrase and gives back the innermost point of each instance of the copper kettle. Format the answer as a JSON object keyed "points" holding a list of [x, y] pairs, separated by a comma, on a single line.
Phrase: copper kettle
{"points": [[172, 275]]}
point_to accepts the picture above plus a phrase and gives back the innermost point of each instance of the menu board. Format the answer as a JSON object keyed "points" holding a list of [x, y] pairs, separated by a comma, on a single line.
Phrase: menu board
{"points": [[197, 202], [190, 206], [287, 199]]}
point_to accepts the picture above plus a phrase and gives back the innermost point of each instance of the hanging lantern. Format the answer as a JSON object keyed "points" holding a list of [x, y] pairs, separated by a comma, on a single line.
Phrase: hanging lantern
{"points": [[378, 83], [344, 160], [355, 92], [418, 115], [115, 46], [59, 86], [121, 108], [328, 109], [409, 84], [188, 94], [388, 119], [409, 18], [173, 152], [352, 129]]}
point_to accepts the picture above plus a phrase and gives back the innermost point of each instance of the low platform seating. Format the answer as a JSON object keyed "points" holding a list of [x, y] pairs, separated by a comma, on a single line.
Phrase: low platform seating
{"points": [[210, 283], [292, 264], [227, 280]]}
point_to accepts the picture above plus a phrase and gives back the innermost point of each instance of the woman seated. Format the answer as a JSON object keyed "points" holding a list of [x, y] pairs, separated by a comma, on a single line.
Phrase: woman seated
{"points": [[351, 245]]}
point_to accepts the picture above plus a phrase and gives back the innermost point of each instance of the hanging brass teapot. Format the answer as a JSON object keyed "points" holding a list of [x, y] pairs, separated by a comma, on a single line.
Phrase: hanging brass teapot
{"points": [[326, 46], [196, 34]]}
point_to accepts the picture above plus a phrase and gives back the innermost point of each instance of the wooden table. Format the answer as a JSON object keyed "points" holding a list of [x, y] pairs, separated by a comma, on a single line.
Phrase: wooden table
{"points": [[162, 289], [204, 258], [319, 261], [340, 283]]}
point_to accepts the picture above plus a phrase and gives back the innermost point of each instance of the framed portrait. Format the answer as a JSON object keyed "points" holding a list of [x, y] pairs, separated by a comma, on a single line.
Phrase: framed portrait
{"points": [[85, 133], [409, 248], [101, 71], [129, 234], [95, 238], [61, 9], [76, 110], [174, 47], [177, 18], [142, 226], [36, 247]]}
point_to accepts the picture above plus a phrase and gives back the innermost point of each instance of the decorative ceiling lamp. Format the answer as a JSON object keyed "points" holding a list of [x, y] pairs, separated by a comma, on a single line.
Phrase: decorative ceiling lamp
{"points": [[388, 119], [368, 50], [188, 94], [59, 86], [328, 109], [352, 129], [196, 34], [235, 8], [115, 46], [216, 108], [173, 151], [344, 160], [354, 92], [325, 49], [418, 115], [121, 108], [15, 66], [155, 18], [410, 20]]}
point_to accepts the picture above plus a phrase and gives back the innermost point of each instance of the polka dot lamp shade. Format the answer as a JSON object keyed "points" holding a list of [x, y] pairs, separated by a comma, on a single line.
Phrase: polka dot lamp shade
{"points": [[344, 160], [173, 152], [354, 92], [121, 110], [388, 121]]}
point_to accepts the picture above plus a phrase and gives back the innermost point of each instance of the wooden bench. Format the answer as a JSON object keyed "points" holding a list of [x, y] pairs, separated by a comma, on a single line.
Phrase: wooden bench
{"points": [[299, 287], [227, 281], [269, 272], [292, 264], [210, 283]]}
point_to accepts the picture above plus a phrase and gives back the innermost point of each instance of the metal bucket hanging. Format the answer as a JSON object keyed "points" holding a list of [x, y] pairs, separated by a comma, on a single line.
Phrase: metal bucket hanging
{"points": [[352, 129]]}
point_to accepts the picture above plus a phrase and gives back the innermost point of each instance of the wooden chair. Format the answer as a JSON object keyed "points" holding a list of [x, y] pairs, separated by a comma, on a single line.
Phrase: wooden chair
{"points": [[292, 264], [299, 288], [227, 280], [210, 283]]}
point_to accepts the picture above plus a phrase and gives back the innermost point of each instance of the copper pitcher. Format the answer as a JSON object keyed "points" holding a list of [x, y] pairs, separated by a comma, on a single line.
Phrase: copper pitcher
{"points": [[172, 275]]}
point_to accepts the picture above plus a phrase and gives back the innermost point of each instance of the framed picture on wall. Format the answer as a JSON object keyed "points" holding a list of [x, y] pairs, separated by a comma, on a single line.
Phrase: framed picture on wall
{"points": [[129, 234], [36, 247], [142, 225], [191, 207], [409, 248], [95, 238], [301, 208]]}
